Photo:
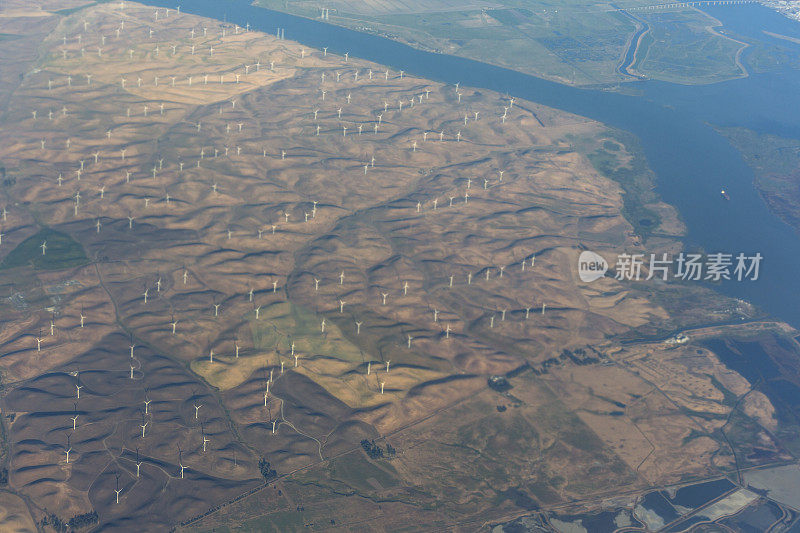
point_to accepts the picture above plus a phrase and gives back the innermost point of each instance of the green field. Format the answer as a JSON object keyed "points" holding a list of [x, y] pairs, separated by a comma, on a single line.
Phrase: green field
{"points": [[630, 170], [575, 42], [680, 47], [62, 252]]}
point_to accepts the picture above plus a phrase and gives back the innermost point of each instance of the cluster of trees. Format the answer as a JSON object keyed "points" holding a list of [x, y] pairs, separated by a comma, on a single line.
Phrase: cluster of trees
{"points": [[578, 356], [76, 522], [376, 452], [55, 522], [266, 469], [83, 520]]}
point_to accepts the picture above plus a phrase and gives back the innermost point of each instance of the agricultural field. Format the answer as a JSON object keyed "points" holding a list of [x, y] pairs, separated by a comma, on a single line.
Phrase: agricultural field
{"points": [[576, 42]]}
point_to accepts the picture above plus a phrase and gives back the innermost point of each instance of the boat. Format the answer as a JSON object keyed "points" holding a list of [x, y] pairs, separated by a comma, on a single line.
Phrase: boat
{"points": [[725, 194]]}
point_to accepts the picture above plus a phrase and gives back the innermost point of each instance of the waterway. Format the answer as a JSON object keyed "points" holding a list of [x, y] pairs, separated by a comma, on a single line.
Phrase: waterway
{"points": [[691, 160]]}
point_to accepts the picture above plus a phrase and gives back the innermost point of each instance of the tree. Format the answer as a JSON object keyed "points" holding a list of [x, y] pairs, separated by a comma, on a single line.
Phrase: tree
{"points": [[373, 450], [266, 469]]}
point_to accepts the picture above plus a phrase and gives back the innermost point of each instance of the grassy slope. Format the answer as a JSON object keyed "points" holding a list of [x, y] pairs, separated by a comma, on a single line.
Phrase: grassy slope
{"points": [[62, 252]]}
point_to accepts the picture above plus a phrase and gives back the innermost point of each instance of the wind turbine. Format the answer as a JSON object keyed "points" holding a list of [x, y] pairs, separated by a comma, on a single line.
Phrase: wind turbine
{"points": [[180, 462], [117, 490]]}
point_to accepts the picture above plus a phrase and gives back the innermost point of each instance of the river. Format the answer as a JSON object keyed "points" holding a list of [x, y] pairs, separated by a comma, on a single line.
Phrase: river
{"points": [[691, 160]]}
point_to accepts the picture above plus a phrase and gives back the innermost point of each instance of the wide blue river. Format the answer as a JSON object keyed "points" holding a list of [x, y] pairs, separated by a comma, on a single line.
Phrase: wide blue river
{"points": [[691, 160]]}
